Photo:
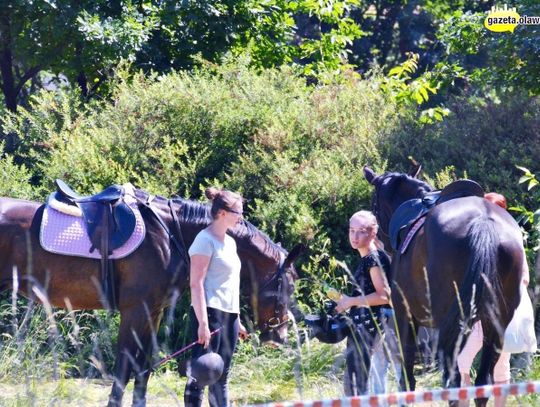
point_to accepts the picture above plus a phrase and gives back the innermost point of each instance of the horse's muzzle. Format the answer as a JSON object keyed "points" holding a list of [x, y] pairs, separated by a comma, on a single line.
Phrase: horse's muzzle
{"points": [[274, 337]]}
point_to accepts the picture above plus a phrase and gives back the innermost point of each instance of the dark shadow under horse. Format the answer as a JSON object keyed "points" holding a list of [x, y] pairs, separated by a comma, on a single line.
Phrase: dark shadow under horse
{"points": [[147, 280], [464, 264]]}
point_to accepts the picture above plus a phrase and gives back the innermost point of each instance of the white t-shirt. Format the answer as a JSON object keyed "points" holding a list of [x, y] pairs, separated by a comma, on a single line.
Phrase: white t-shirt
{"points": [[222, 281]]}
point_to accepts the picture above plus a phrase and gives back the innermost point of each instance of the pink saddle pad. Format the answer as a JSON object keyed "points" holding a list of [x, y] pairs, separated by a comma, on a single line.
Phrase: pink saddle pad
{"points": [[65, 234]]}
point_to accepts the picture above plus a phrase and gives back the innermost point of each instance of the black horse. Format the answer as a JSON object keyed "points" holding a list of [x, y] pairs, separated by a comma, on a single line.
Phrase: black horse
{"points": [[464, 264], [147, 280]]}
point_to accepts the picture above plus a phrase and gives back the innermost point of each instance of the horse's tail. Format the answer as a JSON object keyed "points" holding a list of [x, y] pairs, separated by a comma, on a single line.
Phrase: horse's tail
{"points": [[480, 292]]}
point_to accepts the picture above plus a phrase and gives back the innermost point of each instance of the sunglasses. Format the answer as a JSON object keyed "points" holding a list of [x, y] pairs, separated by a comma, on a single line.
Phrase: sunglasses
{"points": [[233, 211]]}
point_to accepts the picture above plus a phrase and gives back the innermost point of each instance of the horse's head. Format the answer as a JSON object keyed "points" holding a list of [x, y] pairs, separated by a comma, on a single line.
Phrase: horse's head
{"points": [[274, 298], [267, 269], [270, 273], [391, 190]]}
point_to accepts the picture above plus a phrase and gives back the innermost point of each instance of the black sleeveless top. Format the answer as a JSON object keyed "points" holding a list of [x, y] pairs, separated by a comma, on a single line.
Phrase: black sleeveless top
{"points": [[364, 284]]}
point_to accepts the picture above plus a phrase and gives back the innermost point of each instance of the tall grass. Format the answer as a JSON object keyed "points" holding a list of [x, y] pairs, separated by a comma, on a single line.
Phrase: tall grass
{"points": [[41, 342], [44, 362]]}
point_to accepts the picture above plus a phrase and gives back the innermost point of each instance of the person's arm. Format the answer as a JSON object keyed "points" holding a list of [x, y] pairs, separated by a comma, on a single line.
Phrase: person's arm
{"points": [[379, 297], [197, 274]]}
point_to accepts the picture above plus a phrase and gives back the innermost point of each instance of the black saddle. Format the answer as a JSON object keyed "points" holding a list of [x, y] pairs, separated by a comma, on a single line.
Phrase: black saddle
{"points": [[413, 209], [109, 222], [109, 194], [106, 215]]}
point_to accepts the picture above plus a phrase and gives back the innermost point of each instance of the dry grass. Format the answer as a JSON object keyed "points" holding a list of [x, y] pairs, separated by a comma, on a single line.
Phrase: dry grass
{"points": [[259, 375]]}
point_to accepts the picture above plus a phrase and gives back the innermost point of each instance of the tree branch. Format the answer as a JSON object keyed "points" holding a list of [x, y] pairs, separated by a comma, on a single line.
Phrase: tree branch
{"points": [[27, 75]]}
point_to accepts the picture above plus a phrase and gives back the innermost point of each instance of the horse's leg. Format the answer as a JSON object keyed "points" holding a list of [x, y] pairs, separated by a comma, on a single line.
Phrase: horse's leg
{"points": [[131, 331], [122, 367], [406, 327], [490, 356], [409, 354], [144, 359], [451, 375]]}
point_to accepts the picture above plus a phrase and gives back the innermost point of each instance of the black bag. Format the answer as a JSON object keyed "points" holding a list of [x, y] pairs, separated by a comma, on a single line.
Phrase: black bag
{"points": [[329, 328]]}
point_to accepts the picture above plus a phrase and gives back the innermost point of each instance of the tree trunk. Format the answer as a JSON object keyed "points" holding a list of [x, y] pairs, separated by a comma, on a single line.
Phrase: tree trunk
{"points": [[83, 83], [82, 80], [6, 65]]}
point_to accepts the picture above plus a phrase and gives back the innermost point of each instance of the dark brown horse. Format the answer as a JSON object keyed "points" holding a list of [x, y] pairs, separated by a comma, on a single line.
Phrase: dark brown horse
{"points": [[469, 251], [146, 280]]}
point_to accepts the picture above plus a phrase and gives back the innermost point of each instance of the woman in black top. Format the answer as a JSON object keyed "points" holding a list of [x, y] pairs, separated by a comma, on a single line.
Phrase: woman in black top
{"points": [[370, 296]]}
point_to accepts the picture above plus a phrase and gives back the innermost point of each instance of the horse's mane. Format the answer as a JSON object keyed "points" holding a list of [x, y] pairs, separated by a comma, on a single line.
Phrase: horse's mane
{"points": [[193, 212], [252, 236], [198, 213]]}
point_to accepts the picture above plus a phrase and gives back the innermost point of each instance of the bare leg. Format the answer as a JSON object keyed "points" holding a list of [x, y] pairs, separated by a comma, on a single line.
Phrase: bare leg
{"points": [[465, 382], [500, 401]]}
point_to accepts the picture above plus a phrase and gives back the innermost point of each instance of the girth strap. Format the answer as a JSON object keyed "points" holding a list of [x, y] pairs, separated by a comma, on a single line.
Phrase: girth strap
{"points": [[107, 266]]}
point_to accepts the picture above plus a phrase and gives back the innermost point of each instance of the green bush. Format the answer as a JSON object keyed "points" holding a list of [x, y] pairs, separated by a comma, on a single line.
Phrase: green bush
{"points": [[484, 139], [15, 179], [294, 151]]}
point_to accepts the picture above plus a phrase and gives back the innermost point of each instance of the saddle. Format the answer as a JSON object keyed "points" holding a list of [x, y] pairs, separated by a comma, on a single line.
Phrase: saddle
{"points": [[108, 219], [109, 223], [410, 212]]}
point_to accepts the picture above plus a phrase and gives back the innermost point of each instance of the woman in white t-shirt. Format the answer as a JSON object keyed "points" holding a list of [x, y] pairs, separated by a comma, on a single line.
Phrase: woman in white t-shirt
{"points": [[215, 293]]}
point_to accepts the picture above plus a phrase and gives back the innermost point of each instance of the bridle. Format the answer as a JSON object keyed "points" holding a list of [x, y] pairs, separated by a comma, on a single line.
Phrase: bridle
{"points": [[276, 321], [175, 235], [376, 210]]}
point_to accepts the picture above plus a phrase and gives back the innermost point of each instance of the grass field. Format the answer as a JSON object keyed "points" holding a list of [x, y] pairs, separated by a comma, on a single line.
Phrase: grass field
{"points": [[259, 375]]}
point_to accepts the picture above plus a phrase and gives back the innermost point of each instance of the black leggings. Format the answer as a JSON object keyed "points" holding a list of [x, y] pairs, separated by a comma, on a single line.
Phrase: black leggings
{"points": [[360, 345], [223, 343]]}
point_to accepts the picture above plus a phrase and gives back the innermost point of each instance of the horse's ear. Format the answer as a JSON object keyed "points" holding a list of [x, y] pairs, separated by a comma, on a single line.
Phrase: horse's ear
{"points": [[415, 170], [293, 254], [369, 174]]}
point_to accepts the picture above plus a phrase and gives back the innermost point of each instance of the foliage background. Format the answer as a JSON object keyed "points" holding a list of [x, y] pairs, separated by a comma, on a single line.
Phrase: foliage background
{"points": [[282, 101]]}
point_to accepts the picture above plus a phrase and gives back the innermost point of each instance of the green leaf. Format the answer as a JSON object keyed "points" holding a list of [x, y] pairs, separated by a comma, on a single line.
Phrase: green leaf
{"points": [[424, 93], [525, 170], [397, 71]]}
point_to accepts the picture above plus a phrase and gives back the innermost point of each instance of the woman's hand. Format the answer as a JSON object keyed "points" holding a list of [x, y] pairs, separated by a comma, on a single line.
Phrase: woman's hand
{"points": [[242, 331], [345, 303], [204, 335]]}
